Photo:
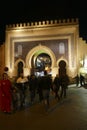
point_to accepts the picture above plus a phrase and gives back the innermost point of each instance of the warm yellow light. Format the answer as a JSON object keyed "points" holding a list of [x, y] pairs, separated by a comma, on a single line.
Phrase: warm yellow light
{"points": [[10, 73], [54, 71], [81, 62], [46, 68], [83, 70], [85, 63], [26, 72]]}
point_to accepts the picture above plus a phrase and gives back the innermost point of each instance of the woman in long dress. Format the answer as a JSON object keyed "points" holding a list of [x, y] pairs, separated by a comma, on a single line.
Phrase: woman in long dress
{"points": [[5, 94]]}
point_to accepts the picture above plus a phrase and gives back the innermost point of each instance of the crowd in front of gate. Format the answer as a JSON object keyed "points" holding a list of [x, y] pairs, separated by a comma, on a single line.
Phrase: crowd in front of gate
{"points": [[23, 91]]}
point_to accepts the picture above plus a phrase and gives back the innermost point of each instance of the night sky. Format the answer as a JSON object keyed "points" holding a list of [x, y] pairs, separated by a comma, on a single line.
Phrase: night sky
{"points": [[29, 11]]}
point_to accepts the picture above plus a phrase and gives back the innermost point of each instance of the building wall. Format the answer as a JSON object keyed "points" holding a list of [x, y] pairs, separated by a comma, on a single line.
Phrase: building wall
{"points": [[82, 46], [25, 40], [82, 57], [2, 58]]}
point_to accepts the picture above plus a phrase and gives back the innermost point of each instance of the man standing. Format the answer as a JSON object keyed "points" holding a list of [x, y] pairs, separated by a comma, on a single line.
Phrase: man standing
{"points": [[64, 81], [46, 86], [56, 87]]}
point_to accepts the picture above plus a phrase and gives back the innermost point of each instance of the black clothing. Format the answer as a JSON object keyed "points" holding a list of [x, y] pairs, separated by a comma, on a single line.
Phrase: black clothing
{"points": [[82, 80], [46, 82], [33, 84], [56, 86], [39, 89], [77, 80], [64, 85]]}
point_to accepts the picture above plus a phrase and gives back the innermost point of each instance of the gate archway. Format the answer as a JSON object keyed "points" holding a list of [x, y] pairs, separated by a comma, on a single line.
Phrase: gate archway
{"points": [[38, 50]]}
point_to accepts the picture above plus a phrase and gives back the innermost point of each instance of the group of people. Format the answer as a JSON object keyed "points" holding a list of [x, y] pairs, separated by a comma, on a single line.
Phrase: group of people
{"points": [[40, 85], [60, 82], [8, 92]]}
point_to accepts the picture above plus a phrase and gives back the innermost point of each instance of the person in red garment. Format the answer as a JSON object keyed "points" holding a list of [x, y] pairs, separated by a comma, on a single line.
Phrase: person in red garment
{"points": [[0, 94], [5, 94]]}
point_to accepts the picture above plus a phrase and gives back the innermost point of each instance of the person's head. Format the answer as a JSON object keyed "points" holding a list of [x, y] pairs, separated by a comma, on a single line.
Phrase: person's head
{"points": [[5, 76]]}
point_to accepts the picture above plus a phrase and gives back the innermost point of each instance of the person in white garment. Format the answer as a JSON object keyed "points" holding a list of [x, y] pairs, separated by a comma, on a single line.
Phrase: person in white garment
{"points": [[22, 84]]}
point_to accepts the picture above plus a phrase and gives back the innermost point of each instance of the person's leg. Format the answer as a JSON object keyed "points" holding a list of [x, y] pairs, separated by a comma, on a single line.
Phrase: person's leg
{"points": [[64, 92], [46, 98], [61, 93]]}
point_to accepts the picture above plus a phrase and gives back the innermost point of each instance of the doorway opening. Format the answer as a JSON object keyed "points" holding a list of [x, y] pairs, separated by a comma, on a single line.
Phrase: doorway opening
{"points": [[40, 63]]}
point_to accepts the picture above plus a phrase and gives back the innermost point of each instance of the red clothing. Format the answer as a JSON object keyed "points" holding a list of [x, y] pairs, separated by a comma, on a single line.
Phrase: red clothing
{"points": [[5, 95], [0, 95]]}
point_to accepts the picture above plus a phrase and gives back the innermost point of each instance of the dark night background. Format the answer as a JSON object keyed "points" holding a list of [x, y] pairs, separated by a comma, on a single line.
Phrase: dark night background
{"points": [[30, 11]]}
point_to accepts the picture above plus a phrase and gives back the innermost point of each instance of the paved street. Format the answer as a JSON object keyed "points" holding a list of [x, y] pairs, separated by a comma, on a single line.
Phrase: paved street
{"points": [[67, 114]]}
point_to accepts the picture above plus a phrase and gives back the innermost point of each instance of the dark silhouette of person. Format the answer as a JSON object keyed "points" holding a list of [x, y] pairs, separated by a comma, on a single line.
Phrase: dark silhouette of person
{"points": [[33, 83], [56, 87], [64, 81], [46, 86], [77, 79], [82, 80], [39, 89]]}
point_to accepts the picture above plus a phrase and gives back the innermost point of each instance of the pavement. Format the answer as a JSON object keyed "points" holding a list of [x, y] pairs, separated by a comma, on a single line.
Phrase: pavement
{"points": [[67, 114]]}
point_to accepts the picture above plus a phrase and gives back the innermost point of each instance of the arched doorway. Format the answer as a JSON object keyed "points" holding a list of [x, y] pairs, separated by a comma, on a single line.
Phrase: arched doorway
{"points": [[40, 49], [40, 63], [62, 67]]}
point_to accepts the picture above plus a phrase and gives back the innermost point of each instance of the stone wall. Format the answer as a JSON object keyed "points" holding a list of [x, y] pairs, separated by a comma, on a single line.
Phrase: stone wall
{"points": [[2, 58]]}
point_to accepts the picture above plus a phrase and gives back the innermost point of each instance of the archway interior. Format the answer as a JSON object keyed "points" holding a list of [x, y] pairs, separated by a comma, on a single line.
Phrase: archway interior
{"points": [[41, 61]]}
